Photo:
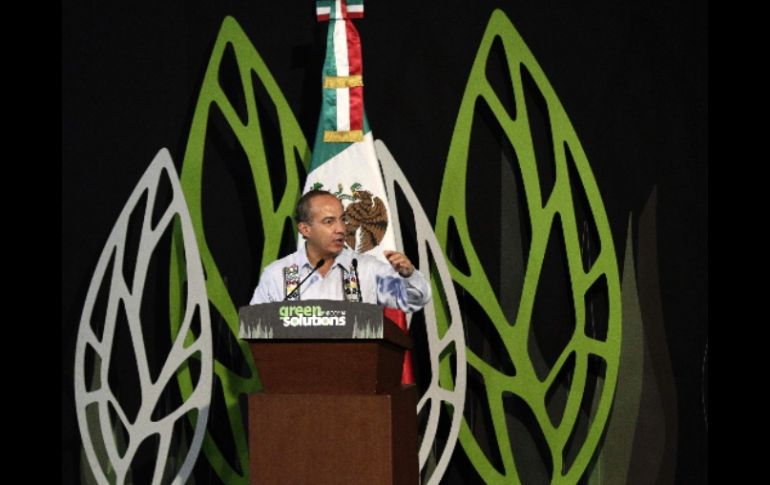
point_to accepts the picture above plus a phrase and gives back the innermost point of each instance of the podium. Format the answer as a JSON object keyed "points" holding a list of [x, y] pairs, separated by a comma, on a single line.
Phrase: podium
{"points": [[333, 409]]}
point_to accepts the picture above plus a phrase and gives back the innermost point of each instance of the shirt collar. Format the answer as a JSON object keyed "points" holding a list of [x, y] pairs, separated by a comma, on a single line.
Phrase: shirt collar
{"points": [[302, 259], [344, 259]]}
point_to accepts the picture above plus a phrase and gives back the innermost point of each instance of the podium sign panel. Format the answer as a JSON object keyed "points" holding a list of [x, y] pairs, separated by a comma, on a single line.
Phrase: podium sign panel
{"points": [[312, 319]]}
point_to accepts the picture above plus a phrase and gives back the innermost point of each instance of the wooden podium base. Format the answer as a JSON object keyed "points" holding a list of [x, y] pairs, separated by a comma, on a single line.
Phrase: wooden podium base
{"points": [[334, 439]]}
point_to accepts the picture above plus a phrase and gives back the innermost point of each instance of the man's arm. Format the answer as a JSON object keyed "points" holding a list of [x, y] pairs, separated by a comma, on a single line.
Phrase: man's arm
{"points": [[400, 285]]}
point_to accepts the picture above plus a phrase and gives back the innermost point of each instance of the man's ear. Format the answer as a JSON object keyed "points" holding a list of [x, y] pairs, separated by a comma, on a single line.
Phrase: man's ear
{"points": [[303, 229]]}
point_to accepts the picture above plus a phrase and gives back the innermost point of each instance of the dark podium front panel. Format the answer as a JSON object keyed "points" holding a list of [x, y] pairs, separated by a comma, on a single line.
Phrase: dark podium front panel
{"points": [[334, 438]]}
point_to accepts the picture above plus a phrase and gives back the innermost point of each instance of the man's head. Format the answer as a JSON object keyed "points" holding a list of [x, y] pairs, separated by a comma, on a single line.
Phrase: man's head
{"points": [[321, 221]]}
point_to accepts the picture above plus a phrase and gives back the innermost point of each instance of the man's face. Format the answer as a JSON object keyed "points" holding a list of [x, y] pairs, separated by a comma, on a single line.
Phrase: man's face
{"points": [[325, 234]]}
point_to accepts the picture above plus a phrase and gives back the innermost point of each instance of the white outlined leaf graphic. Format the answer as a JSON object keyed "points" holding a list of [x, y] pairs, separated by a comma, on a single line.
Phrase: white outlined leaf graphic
{"points": [[123, 290], [443, 326], [570, 436]]}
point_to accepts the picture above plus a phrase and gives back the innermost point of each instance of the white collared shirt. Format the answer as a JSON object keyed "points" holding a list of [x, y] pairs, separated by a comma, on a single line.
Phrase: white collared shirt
{"points": [[379, 282]]}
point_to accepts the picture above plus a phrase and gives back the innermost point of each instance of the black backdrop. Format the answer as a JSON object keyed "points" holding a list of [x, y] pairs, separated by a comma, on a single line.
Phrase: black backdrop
{"points": [[631, 76]]}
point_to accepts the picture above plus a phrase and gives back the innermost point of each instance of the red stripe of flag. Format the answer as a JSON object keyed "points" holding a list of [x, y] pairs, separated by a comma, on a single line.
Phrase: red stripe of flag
{"points": [[356, 98], [355, 66], [354, 48], [399, 318]]}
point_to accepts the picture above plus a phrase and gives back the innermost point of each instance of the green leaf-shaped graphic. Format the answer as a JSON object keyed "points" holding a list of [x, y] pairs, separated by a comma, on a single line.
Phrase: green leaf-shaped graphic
{"points": [[274, 217], [526, 385]]}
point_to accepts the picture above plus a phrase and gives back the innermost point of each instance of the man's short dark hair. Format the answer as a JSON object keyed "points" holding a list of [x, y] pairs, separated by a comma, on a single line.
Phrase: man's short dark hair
{"points": [[302, 211]]}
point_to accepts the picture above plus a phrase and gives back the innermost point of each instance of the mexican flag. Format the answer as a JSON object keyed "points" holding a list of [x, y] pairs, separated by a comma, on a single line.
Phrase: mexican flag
{"points": [[344, 161]]}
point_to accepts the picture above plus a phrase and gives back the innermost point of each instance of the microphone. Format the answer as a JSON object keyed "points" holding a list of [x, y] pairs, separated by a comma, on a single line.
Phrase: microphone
{"points": [[295, 290], [358, 280]]}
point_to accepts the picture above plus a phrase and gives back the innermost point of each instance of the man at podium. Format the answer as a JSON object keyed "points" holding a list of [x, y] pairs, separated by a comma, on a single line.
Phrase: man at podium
{"points": [[326, 269]]}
